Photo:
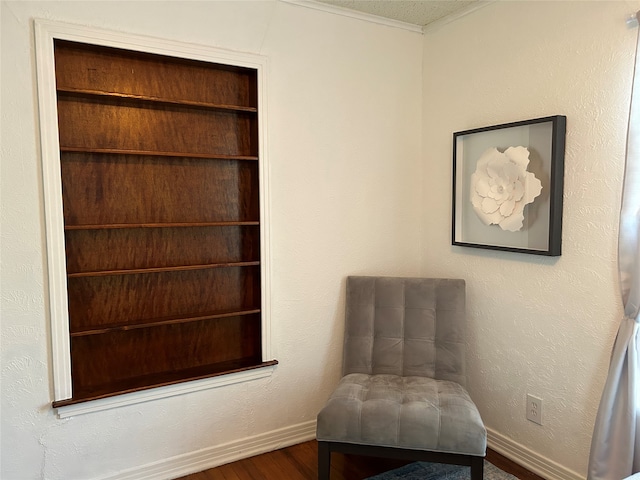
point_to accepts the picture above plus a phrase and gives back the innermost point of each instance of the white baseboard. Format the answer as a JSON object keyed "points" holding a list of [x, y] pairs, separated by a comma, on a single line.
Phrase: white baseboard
{"points": [[211, 457], [529, 459], [206, 458]]}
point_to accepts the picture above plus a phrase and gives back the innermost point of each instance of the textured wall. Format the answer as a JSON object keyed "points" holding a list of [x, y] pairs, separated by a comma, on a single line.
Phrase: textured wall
{"points": [[543, 326], [344, 131], [344, 144]]}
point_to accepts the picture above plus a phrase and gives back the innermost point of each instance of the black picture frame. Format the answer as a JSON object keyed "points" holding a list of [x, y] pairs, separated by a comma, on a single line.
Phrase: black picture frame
{"points": [[540, 231]]}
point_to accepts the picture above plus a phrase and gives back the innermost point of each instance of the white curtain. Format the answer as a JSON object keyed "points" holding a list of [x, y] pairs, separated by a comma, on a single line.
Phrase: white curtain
{"points": [[615, 447]]}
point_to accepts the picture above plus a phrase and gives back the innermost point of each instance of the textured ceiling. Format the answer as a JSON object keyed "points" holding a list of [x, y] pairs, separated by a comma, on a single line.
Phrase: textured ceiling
{"points": [[421, 12]]}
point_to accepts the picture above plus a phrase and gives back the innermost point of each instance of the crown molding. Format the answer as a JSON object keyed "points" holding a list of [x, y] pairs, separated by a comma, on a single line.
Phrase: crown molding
{"points": [[441, 22], [345, 12]]}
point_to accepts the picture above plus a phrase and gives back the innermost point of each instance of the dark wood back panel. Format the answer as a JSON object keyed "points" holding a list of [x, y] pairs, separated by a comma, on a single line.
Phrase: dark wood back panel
{"points": [[160, 181], [132, 248], [122, 124], [139, 298], [92, 67], [118, 355], [114, 189]]}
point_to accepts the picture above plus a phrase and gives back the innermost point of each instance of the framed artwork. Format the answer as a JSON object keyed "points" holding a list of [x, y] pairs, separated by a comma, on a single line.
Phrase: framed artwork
{"points": [[507, 186]]}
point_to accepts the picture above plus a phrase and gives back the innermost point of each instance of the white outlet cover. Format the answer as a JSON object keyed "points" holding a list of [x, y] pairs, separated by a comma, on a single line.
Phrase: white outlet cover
{"points": [[534, 409]]}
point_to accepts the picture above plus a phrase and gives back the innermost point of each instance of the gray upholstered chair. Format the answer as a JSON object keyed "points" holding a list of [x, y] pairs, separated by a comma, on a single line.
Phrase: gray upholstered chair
{"points": [[403, 394]]}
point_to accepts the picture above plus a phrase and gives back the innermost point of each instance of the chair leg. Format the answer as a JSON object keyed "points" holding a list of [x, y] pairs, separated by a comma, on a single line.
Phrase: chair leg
{"points": [[477, 468], [324, 461]]}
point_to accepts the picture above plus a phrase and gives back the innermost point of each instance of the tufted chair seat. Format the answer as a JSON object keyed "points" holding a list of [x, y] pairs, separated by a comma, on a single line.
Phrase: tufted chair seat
{"points": [[407, 412], [402, 394]]}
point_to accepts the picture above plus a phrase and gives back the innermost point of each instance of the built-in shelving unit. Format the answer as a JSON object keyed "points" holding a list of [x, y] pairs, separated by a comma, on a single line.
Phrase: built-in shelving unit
{"points": [[160, 175]]}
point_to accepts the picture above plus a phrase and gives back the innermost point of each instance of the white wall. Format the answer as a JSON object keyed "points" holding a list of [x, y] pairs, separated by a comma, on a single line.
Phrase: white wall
{"points": [[543, 326], [344, 133], [349, 107]]}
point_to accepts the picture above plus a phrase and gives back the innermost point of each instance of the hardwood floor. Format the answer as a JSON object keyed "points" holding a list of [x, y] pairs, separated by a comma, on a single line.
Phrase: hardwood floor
{"points": [[299, 462]]}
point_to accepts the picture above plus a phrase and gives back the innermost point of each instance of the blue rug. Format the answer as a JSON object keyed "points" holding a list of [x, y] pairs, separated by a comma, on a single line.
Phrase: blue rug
{"points": [[440, 471]]}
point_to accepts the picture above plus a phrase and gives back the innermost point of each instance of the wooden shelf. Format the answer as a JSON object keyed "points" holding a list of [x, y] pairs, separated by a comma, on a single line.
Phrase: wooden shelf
{"points": [[139, 248], [179, 268], [154, 100], [153, 381], [95, 302], [161, 204], [160, 225], [125, 126], [164, 321], [151, 153]]}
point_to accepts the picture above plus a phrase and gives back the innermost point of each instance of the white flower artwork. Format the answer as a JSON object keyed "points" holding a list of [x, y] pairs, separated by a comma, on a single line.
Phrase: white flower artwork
{"points": [[501, 187]]}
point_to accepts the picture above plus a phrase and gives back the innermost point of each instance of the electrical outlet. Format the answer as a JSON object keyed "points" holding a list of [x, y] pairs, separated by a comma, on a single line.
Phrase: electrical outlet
{"points": [[534, 409]]}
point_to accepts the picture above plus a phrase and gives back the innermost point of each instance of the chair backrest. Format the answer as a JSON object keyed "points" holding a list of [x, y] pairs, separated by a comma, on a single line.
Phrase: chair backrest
{"points": [[405, 326]]}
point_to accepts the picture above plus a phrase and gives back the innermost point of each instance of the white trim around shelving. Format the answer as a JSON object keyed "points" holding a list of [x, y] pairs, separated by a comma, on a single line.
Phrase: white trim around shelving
{"points": [[45, 33], [163, 392], [54, 219]]}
